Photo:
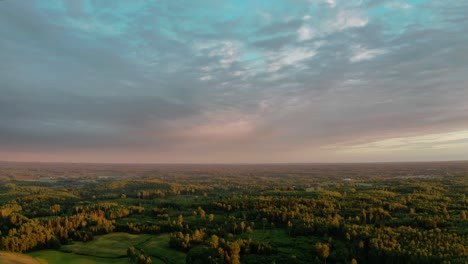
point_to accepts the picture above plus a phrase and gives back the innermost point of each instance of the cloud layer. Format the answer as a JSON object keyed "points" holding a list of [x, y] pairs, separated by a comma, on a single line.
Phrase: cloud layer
{"points": [[233, 81]]}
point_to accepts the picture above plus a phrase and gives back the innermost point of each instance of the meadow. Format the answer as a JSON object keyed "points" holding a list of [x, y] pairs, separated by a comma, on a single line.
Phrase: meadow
{"points": [[58, 257]]}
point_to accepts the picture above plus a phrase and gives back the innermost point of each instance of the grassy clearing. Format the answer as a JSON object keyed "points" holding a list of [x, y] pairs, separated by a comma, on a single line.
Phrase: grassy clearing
{"points": [[300, 247], [267, 235], [57, 257], [107, 246], [14, 258], [158, 246], [113, 246]]}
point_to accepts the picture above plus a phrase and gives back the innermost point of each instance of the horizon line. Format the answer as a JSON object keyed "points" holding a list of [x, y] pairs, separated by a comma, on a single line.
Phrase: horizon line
{"points": [[231, 163]]}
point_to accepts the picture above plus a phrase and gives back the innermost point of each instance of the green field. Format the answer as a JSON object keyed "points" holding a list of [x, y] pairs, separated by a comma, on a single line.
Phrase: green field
{"points": [[158, 246], [110, 248], [57, 257], [112, 245], [286, 245]]}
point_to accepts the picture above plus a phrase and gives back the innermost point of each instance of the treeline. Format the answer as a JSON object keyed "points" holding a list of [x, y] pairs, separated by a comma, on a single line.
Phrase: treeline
{"points": [[220, 250], [136, 256], [22, 234]]}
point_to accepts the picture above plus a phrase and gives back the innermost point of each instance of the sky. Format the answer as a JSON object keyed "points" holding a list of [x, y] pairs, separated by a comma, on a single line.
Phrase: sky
{"points": [[245, 81]]}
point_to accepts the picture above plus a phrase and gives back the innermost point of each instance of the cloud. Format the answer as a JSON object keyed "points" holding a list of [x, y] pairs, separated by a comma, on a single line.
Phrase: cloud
{"points": [[221, 130], [455, 139], [331, 3], [347, 19], [305, 33], [275, 43], [206, 78], [289, 57], [203, 81], [361, 54]]}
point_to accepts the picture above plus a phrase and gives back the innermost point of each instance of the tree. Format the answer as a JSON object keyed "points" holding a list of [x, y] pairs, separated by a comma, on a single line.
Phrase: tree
{"points": [[180, 220], [234, 249], [290, 226], [323, 250], [54, 209], [131, 253], [214, 241]]}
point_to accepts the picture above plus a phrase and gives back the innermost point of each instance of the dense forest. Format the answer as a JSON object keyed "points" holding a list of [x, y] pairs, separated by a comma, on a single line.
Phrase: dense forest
{"points": [[302, 213]]}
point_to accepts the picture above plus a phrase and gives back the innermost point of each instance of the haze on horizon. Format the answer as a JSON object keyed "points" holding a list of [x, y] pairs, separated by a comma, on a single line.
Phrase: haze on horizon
{"points": [[233, 81]]}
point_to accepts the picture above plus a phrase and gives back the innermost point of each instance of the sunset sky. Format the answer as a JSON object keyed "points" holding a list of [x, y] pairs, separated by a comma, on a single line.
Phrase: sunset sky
{"points": [[251, 81]]}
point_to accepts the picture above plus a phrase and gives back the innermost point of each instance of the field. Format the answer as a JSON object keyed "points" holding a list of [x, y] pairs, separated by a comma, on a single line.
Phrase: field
{"points": [[13, 258], [158, 246], [112, 245], [110, 248], [58, 257]]}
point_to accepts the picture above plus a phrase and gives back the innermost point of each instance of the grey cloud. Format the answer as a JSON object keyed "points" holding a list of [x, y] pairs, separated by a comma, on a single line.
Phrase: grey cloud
{"points": [[275, 43], [281, 27], [93, 91], [64, 79], [418, 80]]}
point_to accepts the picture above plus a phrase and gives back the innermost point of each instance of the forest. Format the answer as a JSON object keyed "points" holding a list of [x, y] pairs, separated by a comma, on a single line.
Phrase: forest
{"points": [[266, 213]]}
